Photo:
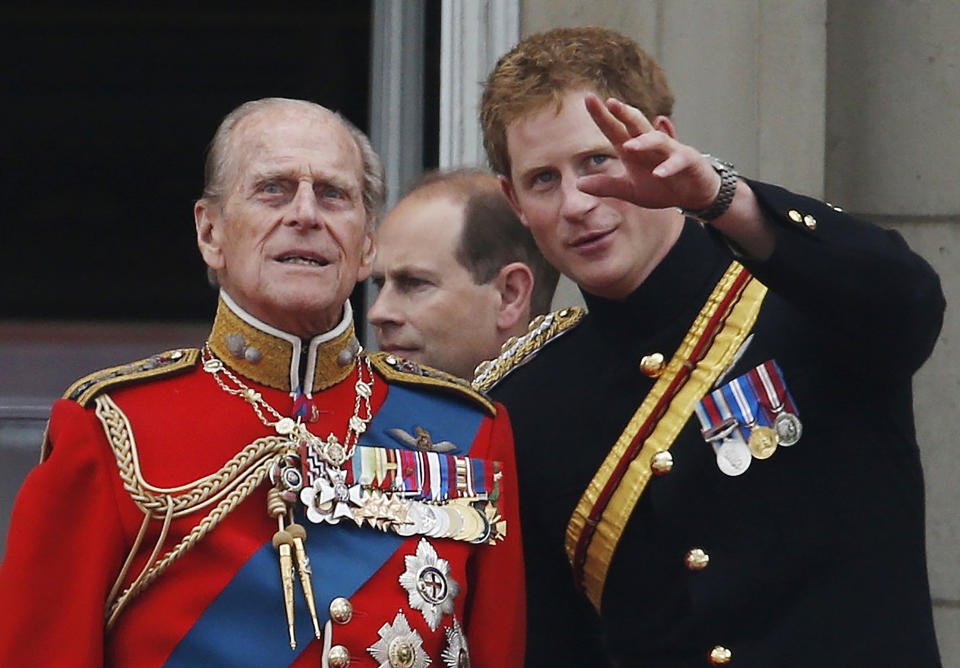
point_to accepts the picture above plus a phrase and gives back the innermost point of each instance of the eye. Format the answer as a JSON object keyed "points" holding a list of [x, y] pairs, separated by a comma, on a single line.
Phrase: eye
{"points": [[329, 192], [272, 188], [598, 160], [543, 179], [412, 283]]}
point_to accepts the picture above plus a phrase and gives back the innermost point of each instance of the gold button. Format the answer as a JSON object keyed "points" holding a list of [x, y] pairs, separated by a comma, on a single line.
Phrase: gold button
{"points": [[795, 215], [696, 559], [652, 365], [810, 222], [338, 657], [720, 656], [662, 463], [340, 610]]}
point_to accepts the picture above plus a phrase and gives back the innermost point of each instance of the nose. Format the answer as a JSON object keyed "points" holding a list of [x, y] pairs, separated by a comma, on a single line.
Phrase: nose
{"points": [[384, 312], [305, 208], [575, 203]]}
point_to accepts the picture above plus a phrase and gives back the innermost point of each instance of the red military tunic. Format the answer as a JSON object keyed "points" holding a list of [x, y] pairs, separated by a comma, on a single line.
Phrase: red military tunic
{"points": [[221, 603]]}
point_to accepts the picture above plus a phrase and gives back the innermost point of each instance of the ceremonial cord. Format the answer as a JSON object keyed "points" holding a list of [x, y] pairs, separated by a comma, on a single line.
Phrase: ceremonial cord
{"points": [[228, 487]]}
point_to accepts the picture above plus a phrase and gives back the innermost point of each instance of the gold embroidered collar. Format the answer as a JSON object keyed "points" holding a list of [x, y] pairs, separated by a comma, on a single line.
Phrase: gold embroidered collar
{"points": [[274, 358]]}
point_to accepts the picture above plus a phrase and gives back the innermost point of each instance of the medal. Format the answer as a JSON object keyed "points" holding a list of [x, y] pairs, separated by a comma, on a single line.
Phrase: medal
{"points": [[789, 428], [457, 652], [762, 442], [775, 397], [430, 588], [399, 645], [733, 456], [761, 439], [721, 431]]}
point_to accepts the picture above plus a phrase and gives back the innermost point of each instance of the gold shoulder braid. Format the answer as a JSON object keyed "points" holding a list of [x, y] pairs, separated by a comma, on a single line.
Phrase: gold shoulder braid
{"points": [[516, 351], [405, 372], [161, 364]]}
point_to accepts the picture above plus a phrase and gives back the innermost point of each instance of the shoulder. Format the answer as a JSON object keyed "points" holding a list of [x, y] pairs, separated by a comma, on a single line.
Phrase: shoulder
{"points": [[161, 365], [404, 372], [518, 351]]}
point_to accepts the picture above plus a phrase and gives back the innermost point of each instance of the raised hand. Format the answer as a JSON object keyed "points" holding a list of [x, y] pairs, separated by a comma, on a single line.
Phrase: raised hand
{"points": [[660, 171]]}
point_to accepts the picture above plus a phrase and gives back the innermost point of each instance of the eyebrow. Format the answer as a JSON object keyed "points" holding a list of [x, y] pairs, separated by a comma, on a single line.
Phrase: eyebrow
{"points": [[408, 272]]}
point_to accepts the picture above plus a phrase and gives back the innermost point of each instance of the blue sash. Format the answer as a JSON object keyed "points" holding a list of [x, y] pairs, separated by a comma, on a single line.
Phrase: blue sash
{"points": [[246, 624]]}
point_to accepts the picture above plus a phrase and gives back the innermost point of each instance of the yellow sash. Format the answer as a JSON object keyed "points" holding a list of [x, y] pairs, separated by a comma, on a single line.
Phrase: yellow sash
{"points": [[707, 349]]}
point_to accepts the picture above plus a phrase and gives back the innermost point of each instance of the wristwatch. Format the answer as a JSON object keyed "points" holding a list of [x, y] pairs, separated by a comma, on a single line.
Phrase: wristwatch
{"points": [[728, 186]]}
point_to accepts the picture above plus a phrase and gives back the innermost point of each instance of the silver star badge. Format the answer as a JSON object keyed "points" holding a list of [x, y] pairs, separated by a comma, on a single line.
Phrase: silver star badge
{"points": [[457, 652], [430, 589], [399, 646]]}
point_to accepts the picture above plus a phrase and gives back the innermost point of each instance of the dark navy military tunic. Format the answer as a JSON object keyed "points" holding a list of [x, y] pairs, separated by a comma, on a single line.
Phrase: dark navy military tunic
{"points": [[816, 555]]}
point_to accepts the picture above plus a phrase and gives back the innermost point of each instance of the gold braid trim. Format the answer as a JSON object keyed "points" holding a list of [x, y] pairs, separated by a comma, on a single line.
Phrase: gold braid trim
{"points": [[405, 372], [600, 536], [192, 496], [155, 366], [516, 351], [228, 487]]}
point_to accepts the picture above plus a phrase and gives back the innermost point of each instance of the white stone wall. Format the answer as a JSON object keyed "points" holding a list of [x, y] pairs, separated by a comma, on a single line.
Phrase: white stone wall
{"points": [[857, 101]]}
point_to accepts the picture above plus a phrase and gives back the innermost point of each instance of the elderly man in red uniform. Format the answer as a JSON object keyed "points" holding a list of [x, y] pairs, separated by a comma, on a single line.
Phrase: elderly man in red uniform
{"points": [[277, 497]]}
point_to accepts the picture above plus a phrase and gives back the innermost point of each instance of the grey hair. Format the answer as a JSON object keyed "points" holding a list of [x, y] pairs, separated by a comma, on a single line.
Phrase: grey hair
{"points": [[219, 156]]}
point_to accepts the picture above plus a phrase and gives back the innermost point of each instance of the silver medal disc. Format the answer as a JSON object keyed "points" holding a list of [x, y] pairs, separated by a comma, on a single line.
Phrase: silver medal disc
{"points": [[443, 523], [428, 520], [734, 456], [788, 427], [414, 521]]}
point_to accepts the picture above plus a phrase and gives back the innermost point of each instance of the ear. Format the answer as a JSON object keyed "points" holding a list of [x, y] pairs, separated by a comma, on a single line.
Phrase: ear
{"points": [[209, 222], [665, 125], [506, 185], [367, 255], [514, 282]]}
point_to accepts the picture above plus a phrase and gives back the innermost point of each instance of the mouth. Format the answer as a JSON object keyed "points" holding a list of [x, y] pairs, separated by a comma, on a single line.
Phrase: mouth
{"points": [[399, 351], [591, 239], [302, 258]]}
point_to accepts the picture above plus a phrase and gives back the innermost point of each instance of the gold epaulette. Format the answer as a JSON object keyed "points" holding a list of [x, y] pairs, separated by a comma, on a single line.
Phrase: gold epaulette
{"points": [[516, 351], [398, 370], [161, 364]]}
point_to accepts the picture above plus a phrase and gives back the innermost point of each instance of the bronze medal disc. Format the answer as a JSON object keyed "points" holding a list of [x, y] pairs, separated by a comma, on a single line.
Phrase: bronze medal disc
{"points": [[762, 442]]}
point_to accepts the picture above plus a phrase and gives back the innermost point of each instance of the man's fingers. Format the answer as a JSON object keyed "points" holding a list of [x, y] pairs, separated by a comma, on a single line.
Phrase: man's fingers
{"points": [[609, 125], [631, 117], [675, 164], [602, 185]]}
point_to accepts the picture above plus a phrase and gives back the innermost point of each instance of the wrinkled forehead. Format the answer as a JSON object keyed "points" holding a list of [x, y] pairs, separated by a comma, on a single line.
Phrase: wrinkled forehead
{"points": [[294, 135]]}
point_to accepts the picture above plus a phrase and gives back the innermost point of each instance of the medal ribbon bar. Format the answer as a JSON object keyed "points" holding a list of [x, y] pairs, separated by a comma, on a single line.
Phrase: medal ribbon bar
{"points": [[429, 476]]}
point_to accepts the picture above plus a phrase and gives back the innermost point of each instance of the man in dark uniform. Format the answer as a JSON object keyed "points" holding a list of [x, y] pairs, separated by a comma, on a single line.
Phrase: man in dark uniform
{"points": [[263, 501], [784, 524]]}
